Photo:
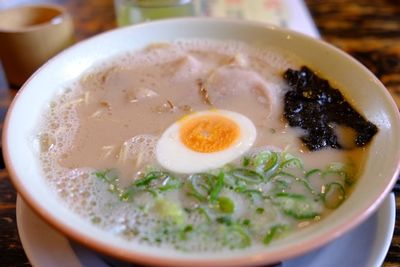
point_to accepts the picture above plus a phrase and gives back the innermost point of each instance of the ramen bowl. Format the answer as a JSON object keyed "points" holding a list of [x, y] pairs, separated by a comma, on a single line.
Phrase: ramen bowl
{"points": [[377, 177]]}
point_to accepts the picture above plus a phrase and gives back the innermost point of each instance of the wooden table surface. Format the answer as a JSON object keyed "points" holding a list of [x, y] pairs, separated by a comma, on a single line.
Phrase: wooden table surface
{"points": [[368, 30]]}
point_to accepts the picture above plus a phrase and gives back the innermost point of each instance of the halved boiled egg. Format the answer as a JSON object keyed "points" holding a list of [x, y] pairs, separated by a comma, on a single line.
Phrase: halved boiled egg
{"points": [[205, 140]]}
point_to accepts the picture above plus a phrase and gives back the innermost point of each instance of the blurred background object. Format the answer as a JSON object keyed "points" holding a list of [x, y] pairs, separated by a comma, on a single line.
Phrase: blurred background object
{"points": [[29, 36], [135, 11]]}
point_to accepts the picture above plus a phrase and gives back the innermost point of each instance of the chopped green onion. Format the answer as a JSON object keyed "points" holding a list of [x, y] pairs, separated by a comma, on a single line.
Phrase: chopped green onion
{"points": [[241, 186], [188, 228], [260, 210], [170, 183], [275, 232], [285, 179], [108, 175], [312, 172], [146, 180], [266, 177], [290, 163], [237, 237], [200, 185], [217, 187], [205, 212], [185, 231], [151, 191], [297, 206], [226, 205], [346, 178], [334, 195], [224, 220], [260, 159], [246, 161], [247, 175], [336, 166], [272, 164], [169, 210], [307, 185], [96, 220], [252, 193], [128, 194], [344, 170], [246, 222], [229, 180]]}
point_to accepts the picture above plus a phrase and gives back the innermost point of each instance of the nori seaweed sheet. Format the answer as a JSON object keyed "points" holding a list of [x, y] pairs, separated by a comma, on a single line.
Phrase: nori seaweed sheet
{"points": [[313, 105]]}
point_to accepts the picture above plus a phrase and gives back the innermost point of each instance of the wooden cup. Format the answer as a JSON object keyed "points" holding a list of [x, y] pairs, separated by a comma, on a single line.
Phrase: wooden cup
{"points": [[29, 36]]}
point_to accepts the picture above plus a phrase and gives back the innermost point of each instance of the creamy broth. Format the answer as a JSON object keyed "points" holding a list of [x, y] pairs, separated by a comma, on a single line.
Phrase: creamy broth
{"points": [[109, 122]]}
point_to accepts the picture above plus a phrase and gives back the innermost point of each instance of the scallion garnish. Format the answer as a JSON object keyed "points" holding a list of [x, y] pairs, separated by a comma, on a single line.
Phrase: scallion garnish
{"points": [[247, 175], [296, 205], [334, 195], [224, 220], [272, 164], [201, 185], [226, 205], [277, 177], [216, 187], [260, 210], [237, 237], [275, 232]]}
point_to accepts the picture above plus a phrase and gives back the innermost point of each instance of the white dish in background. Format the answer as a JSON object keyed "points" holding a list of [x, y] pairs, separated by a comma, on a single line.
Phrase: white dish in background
{"points": [[365, 246]]}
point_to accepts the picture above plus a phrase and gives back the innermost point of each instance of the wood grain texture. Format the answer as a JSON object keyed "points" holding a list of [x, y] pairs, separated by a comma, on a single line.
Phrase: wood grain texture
{"points": [[368, 30]]}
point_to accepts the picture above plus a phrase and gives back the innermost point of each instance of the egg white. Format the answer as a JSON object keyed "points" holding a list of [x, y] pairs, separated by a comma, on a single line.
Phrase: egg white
{"points": [[173, 155]]}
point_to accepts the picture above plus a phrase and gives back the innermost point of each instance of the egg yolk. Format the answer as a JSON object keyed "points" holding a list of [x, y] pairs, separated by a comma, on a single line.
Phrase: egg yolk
{"points": [[209, 133]]}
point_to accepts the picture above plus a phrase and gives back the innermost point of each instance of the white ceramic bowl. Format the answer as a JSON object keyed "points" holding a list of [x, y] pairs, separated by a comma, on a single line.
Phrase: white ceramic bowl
{"points": [[370, 96]]}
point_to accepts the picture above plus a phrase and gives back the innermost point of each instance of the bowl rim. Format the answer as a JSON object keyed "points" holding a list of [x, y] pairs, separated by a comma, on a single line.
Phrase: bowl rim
{"points": [[138, 257]]}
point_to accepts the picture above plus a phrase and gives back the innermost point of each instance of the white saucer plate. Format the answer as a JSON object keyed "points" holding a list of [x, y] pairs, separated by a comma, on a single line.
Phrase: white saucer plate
{"points": [[365, 246]]}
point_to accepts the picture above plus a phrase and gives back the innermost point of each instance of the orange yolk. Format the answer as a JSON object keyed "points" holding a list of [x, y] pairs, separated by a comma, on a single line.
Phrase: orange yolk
{"points": [[209, 133]]}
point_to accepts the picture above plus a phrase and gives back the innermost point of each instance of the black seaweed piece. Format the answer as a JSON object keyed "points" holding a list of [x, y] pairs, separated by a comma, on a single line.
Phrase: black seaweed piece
{"points": [[316, 107]]}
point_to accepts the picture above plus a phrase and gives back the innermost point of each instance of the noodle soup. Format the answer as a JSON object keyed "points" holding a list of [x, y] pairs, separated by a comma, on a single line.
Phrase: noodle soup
{"points": [[183, 145]]}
